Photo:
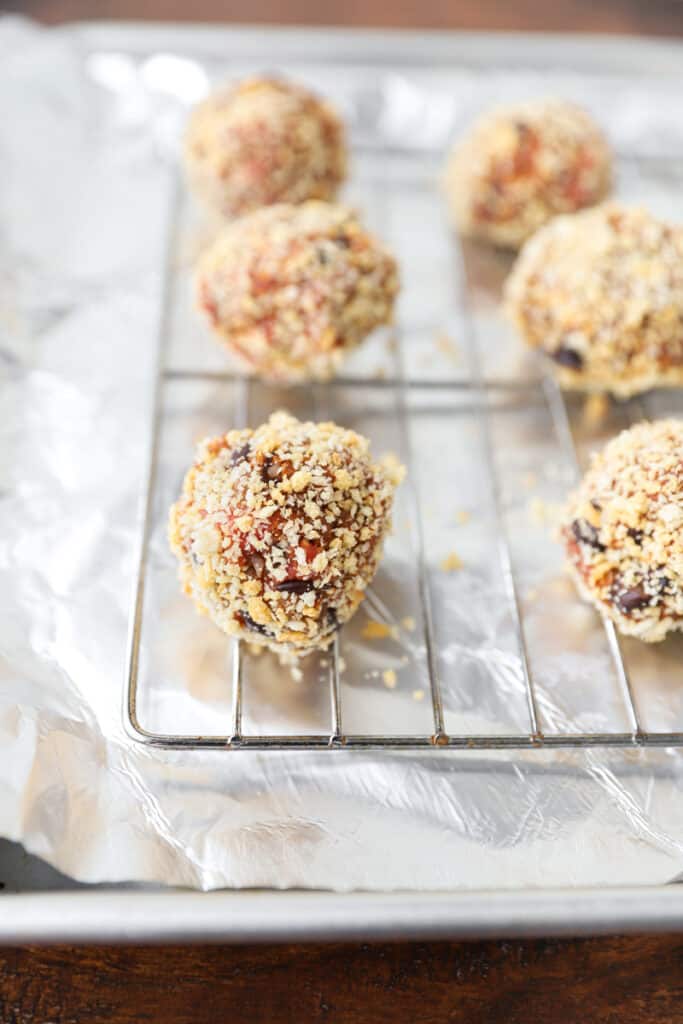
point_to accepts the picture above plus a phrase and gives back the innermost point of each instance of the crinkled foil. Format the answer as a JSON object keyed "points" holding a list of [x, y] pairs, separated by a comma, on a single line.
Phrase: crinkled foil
{"points": [[88, 201]]}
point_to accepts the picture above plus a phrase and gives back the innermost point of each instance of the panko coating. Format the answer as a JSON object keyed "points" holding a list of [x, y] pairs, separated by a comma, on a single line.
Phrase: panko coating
{"points": [[522, 165], [623, 531], [279, 530], [290, 290], [601, 293], [260, 142]]}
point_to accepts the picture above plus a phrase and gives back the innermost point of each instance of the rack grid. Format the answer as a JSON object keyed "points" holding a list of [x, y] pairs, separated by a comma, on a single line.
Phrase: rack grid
{"points": [[482, 391]]}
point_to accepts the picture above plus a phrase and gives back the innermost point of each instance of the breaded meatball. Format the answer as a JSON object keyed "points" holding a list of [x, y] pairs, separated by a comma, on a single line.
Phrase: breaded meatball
{"points": [[601, 293], [522, 165], [263, 141], [623, 531], [290, 290], [279, 530]]}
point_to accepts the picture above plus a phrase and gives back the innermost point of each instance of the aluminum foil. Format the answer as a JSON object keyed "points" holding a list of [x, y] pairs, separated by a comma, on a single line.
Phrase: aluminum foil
{"points": [[90, 214]]}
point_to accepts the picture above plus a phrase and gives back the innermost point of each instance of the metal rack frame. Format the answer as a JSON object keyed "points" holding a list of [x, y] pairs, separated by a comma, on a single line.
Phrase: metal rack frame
{"points": [[336, 738]]}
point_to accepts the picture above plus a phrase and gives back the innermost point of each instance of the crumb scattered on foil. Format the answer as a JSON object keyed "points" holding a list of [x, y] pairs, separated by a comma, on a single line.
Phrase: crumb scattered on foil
{"points": [[595, 410], [447, 347], [544, 513], [418, 694], [374, 630], [389, 678], [452, 562]]}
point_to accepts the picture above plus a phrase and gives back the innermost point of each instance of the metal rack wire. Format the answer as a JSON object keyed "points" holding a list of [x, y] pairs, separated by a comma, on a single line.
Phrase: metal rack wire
{"points": [[336, 737]]}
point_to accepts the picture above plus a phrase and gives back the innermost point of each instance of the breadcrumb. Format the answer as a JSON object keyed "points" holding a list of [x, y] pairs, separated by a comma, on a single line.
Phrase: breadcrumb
{"points": [[389, 678], [452, 562], [373, 630], [447, 347], [595, 410]]}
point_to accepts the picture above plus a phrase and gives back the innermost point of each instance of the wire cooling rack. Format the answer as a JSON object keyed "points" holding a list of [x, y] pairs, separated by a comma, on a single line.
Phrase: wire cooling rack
{"points": [[479, 392]]}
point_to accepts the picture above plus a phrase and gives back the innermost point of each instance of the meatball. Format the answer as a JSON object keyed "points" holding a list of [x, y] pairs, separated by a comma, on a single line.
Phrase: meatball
{"points": [[623, 530], [264, 141], [279, 530], [291, 289], [601, 293], [522, 165]]}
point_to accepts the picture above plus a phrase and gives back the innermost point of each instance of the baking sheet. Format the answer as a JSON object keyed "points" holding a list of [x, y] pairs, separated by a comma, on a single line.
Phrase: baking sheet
{"points": [[84, 238]]}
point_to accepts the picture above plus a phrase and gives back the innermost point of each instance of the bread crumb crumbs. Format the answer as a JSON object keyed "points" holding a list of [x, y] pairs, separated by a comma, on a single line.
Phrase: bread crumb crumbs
{"points": [[595, 409], [462, 516], [408, 622], [418, 694], [389, 677], [447, 347], [537, 510], [373, 630], [544, 513], [297, 674], [452, 562]]}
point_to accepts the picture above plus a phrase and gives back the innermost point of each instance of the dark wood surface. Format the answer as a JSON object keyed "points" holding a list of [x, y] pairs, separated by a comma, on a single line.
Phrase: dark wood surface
{"points": [[615, 981], [633, 980], [658, 17]]}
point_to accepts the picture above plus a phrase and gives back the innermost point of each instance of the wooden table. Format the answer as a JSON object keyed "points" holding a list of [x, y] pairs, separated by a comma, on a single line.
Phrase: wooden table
{"points": [[616, 980], [658, 17]]}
